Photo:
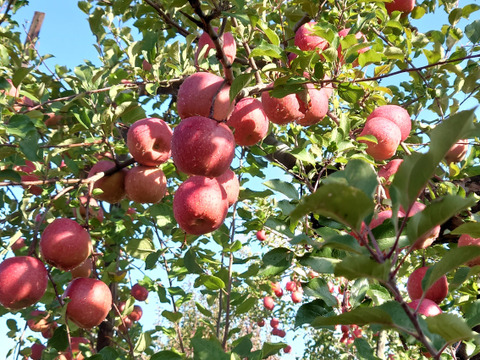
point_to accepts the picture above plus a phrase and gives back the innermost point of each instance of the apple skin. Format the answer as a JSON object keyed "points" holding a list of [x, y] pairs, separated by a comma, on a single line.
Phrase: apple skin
{"points": [[467, 240], [23, 281], [53, 120], [19, 244], [48, 333], [278, 332], [197, 93], [437, 292], [38, 321], [274, 323], [65, 244], [145, 184], [37, 350], [230, 183], [277, 289], [139, 292], [149, 141], [291, 286], [261, 323], [125, 324], [261, 236], [457, 152], [94, 208], [113, 186], [296, 296], [359, 36], [306, 41], [28, 169], [397, 115], [317, 107], [388, 137], [249, 121], [387, 171], [287, 349], [202, 146], [268, 303], [229, 46], [83, 270], [200, 205], [283, 110], [90, 302], [404, 6], [427, 307], [136, 313]]}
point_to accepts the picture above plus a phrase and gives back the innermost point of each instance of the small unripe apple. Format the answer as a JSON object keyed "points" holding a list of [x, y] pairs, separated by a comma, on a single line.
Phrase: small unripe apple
{"points": [[136, 313], [23, 281], [202, 146], [113, 186], [139, 292], [36, 351], [230, 183], [149, 141], [204, 94], [38, 321], [83, 270], [145, 184], [427, 307], [229, 46], [297, 296], [274, 323], [437, 292], [306, 40], [90, 302], [268, 303], [249, 121], [200, 205], [457, 152], [261, 236], [467, 240], [388, 137], [397, 115], [65, 244], [404, 6]]}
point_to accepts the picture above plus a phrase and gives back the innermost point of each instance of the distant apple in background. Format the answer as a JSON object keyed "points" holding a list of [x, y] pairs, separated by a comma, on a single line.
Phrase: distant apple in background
{"points": [[90, 302], [139, 292], [136, 313], [287, 349], [261, 323], [18, 244], [279, 332], [388, 137], [427, 307], [65, 244], [28, 169], [467, 240], [277, 289], [261, 236], [94, 209], [437, 292], [52, 119], [397, 115], [291, 286], [113, 186], [38, 321], [23, 281], [204, 94], [202, 146], [149, 141], [306, 40], [229, 46], [200, 205], [274, 322], [404, 6], [249, 121], [457, 152], [230, 183], [268, 303], [145, 184], [48, 333], [83, 270], [36, 351], [125, 324], [297, 296]]}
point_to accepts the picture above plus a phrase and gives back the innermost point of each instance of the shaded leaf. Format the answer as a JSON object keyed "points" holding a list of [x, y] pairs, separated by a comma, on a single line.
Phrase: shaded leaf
{"points": [[208, 349], [283, 187], [358, 266], [276, 261], [166, 355], [450, 327], [307, 313], [470, 228]]}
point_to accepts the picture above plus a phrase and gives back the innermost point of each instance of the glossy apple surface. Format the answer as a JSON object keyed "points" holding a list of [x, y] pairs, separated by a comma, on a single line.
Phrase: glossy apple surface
{"points": [[388, 137], [113, 186], [249, 121], [437, 292], [145, 184]]}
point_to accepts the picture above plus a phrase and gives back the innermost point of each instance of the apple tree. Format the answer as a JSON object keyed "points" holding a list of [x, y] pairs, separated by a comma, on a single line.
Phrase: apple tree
{"points": [[272, 173]]}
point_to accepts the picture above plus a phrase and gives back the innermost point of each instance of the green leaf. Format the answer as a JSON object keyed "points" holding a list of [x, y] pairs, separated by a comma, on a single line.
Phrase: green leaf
{"points": [[276, 261], [435, 214], [472, 313], [239, 83], [243, 346], [330, 200], [450, 327], [364, 350], [270, 349], [20, 125], [318, 288], [358, 266], [319, 264], [59, 340], [210, 282], [369, 57], [350, 93], [151, 260], [166, 355], [359, 316], [394, 53], [472, 31], [307, 313], [10, 175], [108, 353], [172, 316], [203, 310], [470, 228], [140, 249], [144, 341], [268, 50], [344, 242], [287, 189], [246, 306], [417, 169], [190, 262], [208, 349], [29, 144]]}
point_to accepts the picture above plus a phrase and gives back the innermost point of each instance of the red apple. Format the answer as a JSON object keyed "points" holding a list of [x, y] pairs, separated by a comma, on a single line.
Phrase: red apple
{"points": [[38, 321], [145, 185], [37, 350], [204, 94], [386, 172], [424, 240], [396, 114], [359, 36], [125, 324], [268, 303], [83, 270], [277, 289], [297, 296], [146, 65], [230, 183], [291, 286], [52, 119], [314, 106], [90, 302], [279, 332], [113, 186], [94, 210], [287, 349], [228, 45], [48, 333], [139, 292], [136, 313], [65, 244], [202, 146], [404, 6], [427, 307], [306, 40], [18, 244], [261, 323], [249, 121], [457, 152], [149, 141], [283, 110], [467, 240], [437, 292], [29, 168], [388, 137], [23, 281], [274, 323], [200, 205], [261, 236]]}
